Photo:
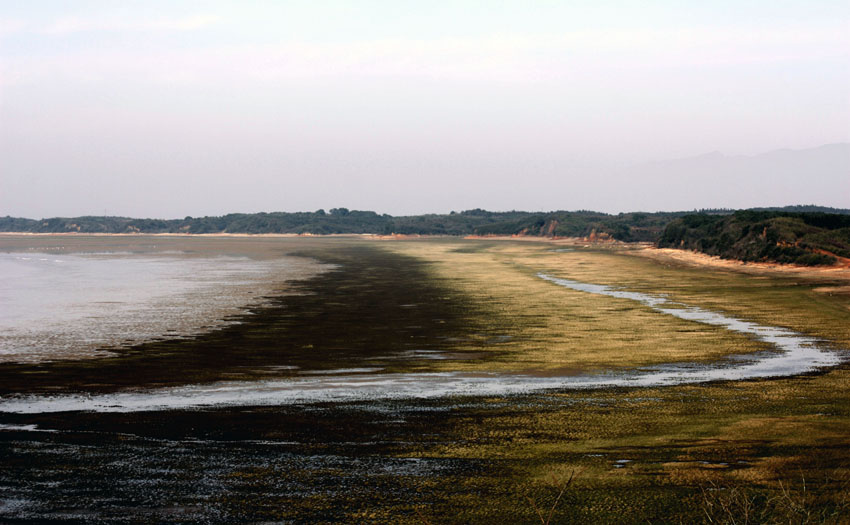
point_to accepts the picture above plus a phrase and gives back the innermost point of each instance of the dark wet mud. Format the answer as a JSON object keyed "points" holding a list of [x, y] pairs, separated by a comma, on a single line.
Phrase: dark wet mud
{"points": [[374, 307], [375, 462], [296, 465]]}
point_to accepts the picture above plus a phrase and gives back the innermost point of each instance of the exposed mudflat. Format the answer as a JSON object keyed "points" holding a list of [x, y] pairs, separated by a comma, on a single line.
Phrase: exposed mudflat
{"points": [[791, 354], [322, 403]]}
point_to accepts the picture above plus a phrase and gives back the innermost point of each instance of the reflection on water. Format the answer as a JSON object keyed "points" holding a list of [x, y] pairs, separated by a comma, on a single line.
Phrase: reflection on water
{"points": [[793, 354], [60, 306]]}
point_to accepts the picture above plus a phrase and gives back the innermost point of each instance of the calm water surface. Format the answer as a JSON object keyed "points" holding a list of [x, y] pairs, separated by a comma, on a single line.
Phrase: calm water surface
{"points": [[60, 306]]}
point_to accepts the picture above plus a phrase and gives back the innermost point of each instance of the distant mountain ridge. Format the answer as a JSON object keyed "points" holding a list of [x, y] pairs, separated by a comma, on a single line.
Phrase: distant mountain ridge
{"points": [[744, 182], [838, 152]]}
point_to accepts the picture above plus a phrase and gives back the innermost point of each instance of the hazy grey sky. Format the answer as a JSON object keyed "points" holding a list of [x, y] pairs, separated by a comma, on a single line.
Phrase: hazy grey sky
{"points": [[168, 108]]}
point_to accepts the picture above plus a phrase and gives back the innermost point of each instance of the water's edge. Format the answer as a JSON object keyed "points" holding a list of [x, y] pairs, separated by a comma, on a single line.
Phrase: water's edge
{"points": [[74, 306], [792, 354]]}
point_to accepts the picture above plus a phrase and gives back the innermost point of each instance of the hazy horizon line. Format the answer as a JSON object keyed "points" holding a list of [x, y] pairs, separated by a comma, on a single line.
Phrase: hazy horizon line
{"points": [[452, 212]]}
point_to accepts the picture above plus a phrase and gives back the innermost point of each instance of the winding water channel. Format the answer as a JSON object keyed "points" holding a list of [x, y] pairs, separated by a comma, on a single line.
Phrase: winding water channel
{"points": [[792, 353]]}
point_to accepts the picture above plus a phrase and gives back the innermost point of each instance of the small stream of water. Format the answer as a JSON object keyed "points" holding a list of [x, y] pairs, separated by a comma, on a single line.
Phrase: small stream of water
{"points": [[791, 354]]}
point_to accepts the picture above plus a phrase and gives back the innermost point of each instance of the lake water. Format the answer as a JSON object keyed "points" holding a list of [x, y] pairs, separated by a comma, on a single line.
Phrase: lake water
{"points": [[77, 305]]}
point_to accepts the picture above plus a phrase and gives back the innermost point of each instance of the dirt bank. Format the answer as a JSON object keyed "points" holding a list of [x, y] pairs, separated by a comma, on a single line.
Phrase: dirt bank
{"points": [[689, 258]]}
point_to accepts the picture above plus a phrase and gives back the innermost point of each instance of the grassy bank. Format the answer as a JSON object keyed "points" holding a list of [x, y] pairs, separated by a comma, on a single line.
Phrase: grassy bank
{"points": [[752, 451], [553, 328]]}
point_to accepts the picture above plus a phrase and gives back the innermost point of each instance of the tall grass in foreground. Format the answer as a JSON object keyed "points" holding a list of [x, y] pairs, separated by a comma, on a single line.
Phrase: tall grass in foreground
{"points": [[792, 503]]}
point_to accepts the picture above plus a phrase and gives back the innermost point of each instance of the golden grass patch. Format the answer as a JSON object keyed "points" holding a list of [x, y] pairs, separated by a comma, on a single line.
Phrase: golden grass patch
{"points": [[549, 328]]}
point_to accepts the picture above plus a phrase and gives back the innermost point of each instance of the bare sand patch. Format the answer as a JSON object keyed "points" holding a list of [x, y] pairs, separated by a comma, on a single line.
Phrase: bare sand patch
{"points": [[690, 258]]}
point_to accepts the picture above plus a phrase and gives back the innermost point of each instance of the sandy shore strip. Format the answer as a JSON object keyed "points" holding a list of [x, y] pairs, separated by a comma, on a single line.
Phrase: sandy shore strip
{"points": [[701, 260], [840, 271]]}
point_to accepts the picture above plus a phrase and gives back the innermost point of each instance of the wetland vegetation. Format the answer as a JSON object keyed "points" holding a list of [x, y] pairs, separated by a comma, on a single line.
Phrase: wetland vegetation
{"points": [[760, 450]]}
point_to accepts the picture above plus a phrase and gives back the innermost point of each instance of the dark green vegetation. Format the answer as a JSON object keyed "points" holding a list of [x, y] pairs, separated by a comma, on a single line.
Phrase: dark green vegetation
{"points": [[783, 237], [355, 314], [625, 227], [629, 227]]}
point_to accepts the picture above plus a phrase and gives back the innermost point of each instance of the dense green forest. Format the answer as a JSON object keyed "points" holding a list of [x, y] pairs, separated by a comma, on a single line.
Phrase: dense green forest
{"points": [[794, 234], [752, 235], [624, 227]]}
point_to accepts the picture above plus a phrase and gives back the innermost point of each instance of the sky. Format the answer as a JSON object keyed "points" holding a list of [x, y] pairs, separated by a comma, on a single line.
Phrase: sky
{"points": [[167, 108]]}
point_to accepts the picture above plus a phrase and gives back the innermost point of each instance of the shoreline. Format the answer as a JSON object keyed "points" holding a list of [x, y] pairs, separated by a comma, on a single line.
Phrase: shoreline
{"points": [[319, 322], [840, 271], [177, 234], [130, 298], [792, 354], [689, 258], [701, 260]]}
